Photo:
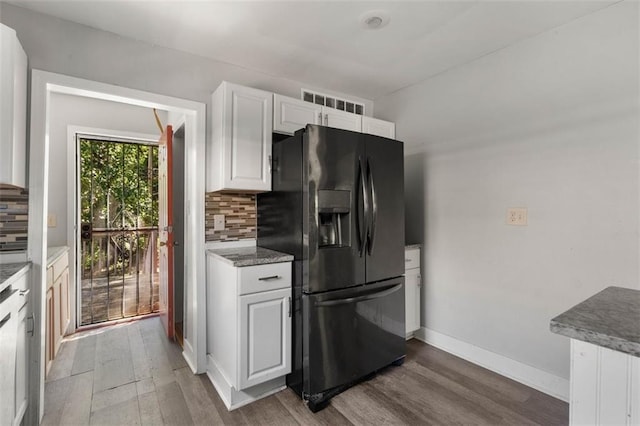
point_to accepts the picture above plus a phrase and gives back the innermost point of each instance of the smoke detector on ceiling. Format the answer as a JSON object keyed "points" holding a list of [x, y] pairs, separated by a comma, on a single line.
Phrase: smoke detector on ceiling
{"points": [[374, 19]]}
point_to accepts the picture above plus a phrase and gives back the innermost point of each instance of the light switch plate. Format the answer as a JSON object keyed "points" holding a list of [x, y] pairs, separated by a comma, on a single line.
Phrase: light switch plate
{"points": [[218, 222], [517, 216], [52, 220]]}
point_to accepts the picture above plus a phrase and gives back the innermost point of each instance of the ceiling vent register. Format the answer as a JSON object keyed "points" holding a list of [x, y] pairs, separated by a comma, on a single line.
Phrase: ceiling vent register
{"points": [[332, 102]]}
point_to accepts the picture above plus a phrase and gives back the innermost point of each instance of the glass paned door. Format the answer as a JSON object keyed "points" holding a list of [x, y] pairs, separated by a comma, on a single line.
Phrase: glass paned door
{"points": [[118, 229]]}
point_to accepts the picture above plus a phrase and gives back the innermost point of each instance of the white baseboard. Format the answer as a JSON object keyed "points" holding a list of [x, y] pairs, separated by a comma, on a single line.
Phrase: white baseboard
{"points": [[233, 398], [188, 355], [533, 377]]}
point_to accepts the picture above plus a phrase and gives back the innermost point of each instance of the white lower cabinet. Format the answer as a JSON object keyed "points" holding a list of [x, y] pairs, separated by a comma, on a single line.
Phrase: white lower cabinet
{"points": [[413, 284], [605, 386], [248, 329], [22, 365], [265, 336], [14, 351]]}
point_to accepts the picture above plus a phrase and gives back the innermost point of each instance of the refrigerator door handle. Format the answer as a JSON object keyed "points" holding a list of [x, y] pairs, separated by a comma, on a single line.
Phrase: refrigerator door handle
{"points": [[374, 209], [363, 226], [376, 295]]}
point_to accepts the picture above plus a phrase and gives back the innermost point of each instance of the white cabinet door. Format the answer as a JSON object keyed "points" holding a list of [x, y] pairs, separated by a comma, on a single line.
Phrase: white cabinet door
{"points": [[341, 119], [239, 157], [290, 114], [265, 337], [412, 286], [8, 346], [13, 109], [22, 366], [377, 127]]}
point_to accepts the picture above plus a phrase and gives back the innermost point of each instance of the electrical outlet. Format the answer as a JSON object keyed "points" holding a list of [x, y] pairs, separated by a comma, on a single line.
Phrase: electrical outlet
{"points": [[218, 222], [52, 220], [517, 216]]}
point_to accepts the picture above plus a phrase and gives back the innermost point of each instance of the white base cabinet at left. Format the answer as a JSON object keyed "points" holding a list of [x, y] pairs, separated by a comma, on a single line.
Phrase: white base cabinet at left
{"points": [[248, 329]]}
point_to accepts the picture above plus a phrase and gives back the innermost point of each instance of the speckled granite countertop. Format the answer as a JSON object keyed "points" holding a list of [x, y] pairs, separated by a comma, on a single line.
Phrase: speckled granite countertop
{"points": [[610, 319], [9, 272], [250, 256], [412, 246], [53, 253]]}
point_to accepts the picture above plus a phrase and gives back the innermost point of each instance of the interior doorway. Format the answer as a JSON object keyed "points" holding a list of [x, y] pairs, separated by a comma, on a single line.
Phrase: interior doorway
{"points": [[118, 203], [43, 85]]}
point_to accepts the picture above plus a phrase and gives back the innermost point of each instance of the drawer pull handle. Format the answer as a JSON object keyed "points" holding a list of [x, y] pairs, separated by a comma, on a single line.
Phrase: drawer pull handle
{"points": [[25, 293], [407, 260], [272, 277]]}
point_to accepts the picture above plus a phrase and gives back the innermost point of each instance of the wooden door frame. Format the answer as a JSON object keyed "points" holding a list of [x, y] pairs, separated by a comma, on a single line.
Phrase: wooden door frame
{"points": [[43, 84]]}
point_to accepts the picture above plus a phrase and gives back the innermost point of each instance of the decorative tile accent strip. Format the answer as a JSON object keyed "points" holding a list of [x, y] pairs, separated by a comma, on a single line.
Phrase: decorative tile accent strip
{"points": [[240, 216], [14, 210]]}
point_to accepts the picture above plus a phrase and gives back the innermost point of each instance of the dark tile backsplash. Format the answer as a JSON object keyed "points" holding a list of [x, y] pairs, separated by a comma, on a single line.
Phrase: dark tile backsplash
{"points": [[14, 210], [239, 210]]}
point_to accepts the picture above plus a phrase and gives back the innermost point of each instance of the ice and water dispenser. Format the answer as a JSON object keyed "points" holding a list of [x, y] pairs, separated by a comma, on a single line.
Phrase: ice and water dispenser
{"points": [[334, 209]]}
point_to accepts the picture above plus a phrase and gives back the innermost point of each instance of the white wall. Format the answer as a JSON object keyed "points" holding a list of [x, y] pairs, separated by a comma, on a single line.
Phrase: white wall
{"points": [[551, 124], [67, 110], [67, 48]]}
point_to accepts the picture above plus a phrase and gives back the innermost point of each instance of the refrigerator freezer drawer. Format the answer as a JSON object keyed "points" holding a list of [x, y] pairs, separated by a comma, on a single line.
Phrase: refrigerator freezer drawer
{"points": [[352, 333]]}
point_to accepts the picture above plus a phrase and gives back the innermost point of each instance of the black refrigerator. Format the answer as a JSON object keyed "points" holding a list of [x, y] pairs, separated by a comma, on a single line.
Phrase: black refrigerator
{"points": [[337, 205]]}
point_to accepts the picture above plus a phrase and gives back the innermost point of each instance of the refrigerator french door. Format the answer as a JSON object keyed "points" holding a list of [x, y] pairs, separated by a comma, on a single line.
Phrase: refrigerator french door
{"points": [[337, 206]]}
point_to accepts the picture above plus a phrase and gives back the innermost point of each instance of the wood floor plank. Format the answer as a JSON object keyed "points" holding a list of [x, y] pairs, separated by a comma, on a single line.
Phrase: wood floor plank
{"points": [[124, 413], [173, 407], [459, 369], [161, 368], [234, 417], [197, 398], [141, 364], [113, 396], [304, 416], [55, 396], [77, 408], [150, 409], [85, 356], [267, 411], [64, 361], [145, 386], [416, 377], [357, 405]]}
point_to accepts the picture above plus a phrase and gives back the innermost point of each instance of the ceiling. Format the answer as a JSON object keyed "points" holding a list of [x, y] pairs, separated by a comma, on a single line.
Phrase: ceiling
{"points": [[325, 43]]}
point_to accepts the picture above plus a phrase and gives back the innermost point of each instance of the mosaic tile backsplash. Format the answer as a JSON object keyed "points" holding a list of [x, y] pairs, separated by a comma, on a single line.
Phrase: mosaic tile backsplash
{"points": [[240, 216], [14, 209]]}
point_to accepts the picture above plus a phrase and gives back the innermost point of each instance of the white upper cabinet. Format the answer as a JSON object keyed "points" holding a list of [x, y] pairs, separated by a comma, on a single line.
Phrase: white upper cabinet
{"points": [[239, 156], [374, 126], [13, 109], [341, 119], [290, 114]]}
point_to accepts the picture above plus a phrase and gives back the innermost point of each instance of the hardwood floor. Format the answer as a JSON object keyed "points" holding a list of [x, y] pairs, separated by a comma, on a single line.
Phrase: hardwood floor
{"points": [[130, 374]]}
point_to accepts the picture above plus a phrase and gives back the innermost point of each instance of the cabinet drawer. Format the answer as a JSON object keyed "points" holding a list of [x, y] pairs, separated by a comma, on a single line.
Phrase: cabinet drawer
{"points": [[412, 258], [253, 279], [60, 265]]}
